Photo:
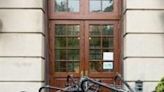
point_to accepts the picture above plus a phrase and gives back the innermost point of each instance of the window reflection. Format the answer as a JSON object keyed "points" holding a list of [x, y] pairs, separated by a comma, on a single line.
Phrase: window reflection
{"points": [[67, 52], [94, 30], [73, 55], [73, 5], [95, 6], [60, 42], [107, 5], [60, 29], [101, 5], [73, 42], [67, 5], [73, 29], [100, 40], [95, 42], [107, 42], [96, 66], [95, 55], [107, 30], [60, 54]]}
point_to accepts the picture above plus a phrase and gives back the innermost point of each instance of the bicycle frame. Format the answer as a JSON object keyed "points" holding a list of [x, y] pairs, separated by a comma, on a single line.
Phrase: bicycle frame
{"points": [[73, 86]]}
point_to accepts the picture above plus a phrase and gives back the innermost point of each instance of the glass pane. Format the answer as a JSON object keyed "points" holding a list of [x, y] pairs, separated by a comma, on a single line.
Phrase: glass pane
{"points": [[61, 66], [76, 67], [96, 66], [73, 67], [67, 5], [107, 30], [73, 5], [60, 29], [61, 5], [107, 42], [95, 5], [73, 30], [73, 42], [107, 5], [95, 55], [60, 42], [57, 66], [73, 55], [101, 5], [70, 67], [95, 42], [60, 54], [94, 30]]}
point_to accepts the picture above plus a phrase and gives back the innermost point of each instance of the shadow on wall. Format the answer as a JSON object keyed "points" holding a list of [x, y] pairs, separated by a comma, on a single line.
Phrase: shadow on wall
{"points": [[1, 25], [162, 22]]}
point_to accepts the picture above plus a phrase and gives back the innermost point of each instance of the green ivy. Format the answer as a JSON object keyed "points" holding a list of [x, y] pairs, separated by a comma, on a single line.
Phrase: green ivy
{"points": [[160, 86]]}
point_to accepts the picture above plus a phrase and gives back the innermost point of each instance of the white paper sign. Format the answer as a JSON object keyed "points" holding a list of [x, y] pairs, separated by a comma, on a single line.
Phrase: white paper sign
{"points": [[108, 56], [107, 65]]}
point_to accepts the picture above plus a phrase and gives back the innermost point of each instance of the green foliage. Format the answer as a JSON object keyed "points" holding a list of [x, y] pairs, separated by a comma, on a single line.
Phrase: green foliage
{"points": [[160, 86]]}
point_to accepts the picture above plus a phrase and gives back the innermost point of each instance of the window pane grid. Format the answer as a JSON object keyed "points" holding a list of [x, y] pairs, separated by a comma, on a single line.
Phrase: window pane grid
{"points": [[101, 38], [67, 47]]}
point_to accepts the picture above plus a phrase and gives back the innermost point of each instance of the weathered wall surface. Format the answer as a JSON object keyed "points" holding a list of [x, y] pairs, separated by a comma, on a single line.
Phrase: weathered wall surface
{"points": [[22, 59], [143, 39]]}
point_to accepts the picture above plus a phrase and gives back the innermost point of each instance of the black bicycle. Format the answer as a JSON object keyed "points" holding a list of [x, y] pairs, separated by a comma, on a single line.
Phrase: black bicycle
{"points": [[86, 84]]}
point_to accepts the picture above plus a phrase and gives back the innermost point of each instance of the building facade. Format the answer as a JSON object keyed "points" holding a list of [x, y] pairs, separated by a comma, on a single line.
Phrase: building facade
{"points": [[27, 43]]}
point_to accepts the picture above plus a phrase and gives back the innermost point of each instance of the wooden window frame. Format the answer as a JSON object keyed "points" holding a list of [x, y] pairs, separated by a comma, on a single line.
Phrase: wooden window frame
{"points": [[116, 47], [52, 49], [84, 12]]}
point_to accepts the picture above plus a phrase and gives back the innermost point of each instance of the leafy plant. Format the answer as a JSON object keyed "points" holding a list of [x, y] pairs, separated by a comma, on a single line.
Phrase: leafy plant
{"points": [[160, 86]]}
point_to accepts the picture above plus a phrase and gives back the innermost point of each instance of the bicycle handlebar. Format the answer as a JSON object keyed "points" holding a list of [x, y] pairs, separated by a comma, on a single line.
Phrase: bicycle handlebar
{"points": [[98, 83]]}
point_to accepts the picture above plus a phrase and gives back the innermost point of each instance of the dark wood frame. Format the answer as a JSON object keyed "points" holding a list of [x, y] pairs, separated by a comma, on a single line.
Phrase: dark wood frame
{"points": [[52, 49], [116, 52], [83, 14], [84, 35]]}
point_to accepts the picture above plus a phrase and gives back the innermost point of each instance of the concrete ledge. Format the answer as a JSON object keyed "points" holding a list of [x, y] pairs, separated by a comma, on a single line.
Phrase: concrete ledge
{"points": [[144, 21], [144, 45], [22, 3], [144, 4], [22, 69], [21, 20], [145, 69], [21, 45], [20, 86]]}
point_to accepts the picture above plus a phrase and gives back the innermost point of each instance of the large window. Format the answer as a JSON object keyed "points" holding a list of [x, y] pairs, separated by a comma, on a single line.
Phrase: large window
{"points": [[84, 9], [100, 41], [67, 48]]}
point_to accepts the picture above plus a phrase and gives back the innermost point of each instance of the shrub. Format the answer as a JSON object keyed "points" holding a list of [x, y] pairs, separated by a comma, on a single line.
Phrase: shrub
{"points": [[160, 86]]}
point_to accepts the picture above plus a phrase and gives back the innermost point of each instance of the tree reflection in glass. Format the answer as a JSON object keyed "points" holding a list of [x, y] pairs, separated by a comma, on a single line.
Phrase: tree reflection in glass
{"points": [[67, 47], [101, 5], [67, 5]]}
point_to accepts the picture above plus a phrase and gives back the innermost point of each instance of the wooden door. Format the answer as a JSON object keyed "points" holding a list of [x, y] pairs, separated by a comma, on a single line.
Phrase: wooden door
{"points": [[66, 50], [84, 39], [83, 48], [101, 50]]}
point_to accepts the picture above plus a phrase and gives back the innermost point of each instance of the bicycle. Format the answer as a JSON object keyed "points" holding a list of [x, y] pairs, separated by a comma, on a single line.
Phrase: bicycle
{"points": [[87, 84]]}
